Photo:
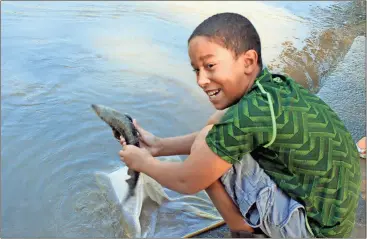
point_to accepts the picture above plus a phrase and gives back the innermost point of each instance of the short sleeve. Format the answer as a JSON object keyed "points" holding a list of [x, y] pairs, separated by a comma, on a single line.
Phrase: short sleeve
{"points": [[237, 134]]}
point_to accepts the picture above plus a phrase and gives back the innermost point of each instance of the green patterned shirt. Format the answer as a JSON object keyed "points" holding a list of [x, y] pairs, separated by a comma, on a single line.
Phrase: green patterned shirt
{"points": [[301, 144]]}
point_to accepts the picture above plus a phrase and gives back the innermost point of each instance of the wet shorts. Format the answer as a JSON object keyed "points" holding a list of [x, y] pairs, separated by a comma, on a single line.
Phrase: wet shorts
{"points": [[262, 203]]}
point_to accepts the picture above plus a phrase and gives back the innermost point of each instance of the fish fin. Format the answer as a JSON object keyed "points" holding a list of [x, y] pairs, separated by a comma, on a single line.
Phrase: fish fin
{"points": [[135, 131], [129, 117]]}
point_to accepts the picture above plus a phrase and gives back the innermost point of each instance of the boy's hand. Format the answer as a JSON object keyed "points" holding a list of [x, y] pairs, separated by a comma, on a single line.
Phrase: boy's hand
{"points": [[146, 139], [135, 158]]}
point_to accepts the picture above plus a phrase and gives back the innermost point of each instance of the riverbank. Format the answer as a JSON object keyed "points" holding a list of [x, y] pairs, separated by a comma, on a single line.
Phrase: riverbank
{"points": [[337, 28]]}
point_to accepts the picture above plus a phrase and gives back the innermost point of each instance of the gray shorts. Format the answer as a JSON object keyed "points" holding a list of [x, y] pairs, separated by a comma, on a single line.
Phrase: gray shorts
{"points": [[262, 203]]}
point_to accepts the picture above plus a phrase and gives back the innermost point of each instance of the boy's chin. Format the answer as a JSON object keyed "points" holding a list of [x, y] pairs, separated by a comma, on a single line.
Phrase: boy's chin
{"points": [[221, 106], [224, 105]]}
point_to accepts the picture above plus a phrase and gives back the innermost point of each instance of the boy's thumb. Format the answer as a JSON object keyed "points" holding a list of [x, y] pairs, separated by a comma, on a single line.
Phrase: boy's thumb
{"points": [[135, 123], [140, 131]]}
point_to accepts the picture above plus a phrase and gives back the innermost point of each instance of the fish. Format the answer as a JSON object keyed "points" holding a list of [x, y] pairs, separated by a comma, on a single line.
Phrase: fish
{"points": [[122, 125]]}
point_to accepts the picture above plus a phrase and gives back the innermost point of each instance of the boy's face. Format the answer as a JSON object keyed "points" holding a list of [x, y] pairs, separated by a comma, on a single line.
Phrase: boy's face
{"points": [[223, 77]]}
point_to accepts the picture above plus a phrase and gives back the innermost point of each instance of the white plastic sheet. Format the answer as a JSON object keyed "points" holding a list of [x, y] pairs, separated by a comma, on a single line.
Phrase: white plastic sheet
{"points": [[155, 211]]}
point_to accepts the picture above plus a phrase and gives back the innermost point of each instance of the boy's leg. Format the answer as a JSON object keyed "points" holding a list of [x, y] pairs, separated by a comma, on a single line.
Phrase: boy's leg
{"points": [[226, 207], [247, 197]]}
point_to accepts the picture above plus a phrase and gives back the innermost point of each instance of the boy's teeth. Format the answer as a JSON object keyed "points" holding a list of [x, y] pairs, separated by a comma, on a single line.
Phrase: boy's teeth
{"points": [[213, 92]]}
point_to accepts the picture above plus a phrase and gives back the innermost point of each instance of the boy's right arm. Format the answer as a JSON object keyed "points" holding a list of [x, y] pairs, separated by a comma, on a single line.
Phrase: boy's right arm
{"points": [[179, 145], [216, 191]]}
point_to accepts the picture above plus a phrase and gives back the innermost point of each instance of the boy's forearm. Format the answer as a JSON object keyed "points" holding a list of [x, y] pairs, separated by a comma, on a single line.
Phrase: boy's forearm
{"points": [[180, 145], [168, 174]]}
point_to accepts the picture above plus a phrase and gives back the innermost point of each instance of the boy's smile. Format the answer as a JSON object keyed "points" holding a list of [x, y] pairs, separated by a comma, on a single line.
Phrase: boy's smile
{"points": [[222, 76]]}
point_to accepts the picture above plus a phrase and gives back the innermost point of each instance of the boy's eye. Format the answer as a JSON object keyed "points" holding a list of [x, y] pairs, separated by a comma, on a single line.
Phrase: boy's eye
{"points": [[210, 66]]}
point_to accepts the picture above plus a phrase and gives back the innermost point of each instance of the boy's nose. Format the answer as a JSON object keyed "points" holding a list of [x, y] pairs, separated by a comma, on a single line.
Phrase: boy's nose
{"points": [[202, 80]]}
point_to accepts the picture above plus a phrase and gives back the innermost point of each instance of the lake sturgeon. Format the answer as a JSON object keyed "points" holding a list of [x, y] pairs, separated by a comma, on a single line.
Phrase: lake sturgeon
{"points": [[122, 125]]}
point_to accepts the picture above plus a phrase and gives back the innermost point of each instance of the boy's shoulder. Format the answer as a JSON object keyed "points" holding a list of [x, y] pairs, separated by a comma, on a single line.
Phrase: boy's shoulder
{"points": [[272, 99], [284, 93]]}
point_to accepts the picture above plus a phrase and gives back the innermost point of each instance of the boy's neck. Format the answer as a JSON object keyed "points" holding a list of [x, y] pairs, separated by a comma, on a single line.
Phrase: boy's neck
{"points": [[253, 76]]}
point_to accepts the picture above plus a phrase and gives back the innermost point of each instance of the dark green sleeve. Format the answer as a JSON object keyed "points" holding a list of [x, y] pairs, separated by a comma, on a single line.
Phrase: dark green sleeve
{"points": [[236, 134]]}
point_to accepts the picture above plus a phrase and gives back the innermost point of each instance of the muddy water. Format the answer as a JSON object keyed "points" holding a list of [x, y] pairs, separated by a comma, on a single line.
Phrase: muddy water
{"points": [[59, 57]]}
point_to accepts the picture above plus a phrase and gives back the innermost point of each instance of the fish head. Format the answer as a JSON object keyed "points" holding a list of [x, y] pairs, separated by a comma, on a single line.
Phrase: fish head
{"points": [[97, 109], [103, 112], [121, 124]]}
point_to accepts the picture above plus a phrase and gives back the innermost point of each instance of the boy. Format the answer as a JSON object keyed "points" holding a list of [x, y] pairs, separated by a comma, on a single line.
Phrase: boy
{"points": [[274, 159]]}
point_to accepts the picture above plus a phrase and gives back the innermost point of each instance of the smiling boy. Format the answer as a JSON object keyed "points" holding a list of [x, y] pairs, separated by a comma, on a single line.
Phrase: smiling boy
{"points": [[274, 159]]}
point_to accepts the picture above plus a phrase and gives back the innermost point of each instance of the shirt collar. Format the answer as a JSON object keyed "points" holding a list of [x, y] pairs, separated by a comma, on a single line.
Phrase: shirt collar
{"points": [[263, 76]]}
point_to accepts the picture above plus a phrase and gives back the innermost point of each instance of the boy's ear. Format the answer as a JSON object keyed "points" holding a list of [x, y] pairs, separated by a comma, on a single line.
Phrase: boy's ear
{"points": [[250, 61]]}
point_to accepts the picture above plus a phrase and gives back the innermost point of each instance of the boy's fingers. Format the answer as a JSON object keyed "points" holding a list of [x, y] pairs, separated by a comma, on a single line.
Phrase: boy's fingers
{"points": [[137, 126], [121, 153], [135, 123], [123, 144], [142, 144]]}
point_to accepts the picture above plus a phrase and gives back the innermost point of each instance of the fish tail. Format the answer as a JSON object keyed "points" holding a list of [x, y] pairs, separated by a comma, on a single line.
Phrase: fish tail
{"points": [[132, 182], [129, 195]]}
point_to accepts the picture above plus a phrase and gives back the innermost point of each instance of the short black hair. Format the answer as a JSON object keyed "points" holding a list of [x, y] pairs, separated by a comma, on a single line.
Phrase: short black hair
{"points": [[232, 31]]}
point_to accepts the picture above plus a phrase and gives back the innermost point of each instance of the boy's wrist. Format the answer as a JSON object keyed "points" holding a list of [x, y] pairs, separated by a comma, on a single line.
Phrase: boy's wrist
{"points": [[149, 165], [158, 146]]}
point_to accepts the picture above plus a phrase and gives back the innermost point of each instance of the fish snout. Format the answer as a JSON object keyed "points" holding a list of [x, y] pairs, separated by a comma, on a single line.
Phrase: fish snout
{"points": [[96, 108]]}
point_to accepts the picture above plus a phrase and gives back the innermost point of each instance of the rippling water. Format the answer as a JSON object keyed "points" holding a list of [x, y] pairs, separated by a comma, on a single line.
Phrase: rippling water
{"points": [[59, 57]]}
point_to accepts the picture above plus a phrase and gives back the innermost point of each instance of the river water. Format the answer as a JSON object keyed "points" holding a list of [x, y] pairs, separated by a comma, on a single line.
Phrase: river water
{"points": [[57, 58]]}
